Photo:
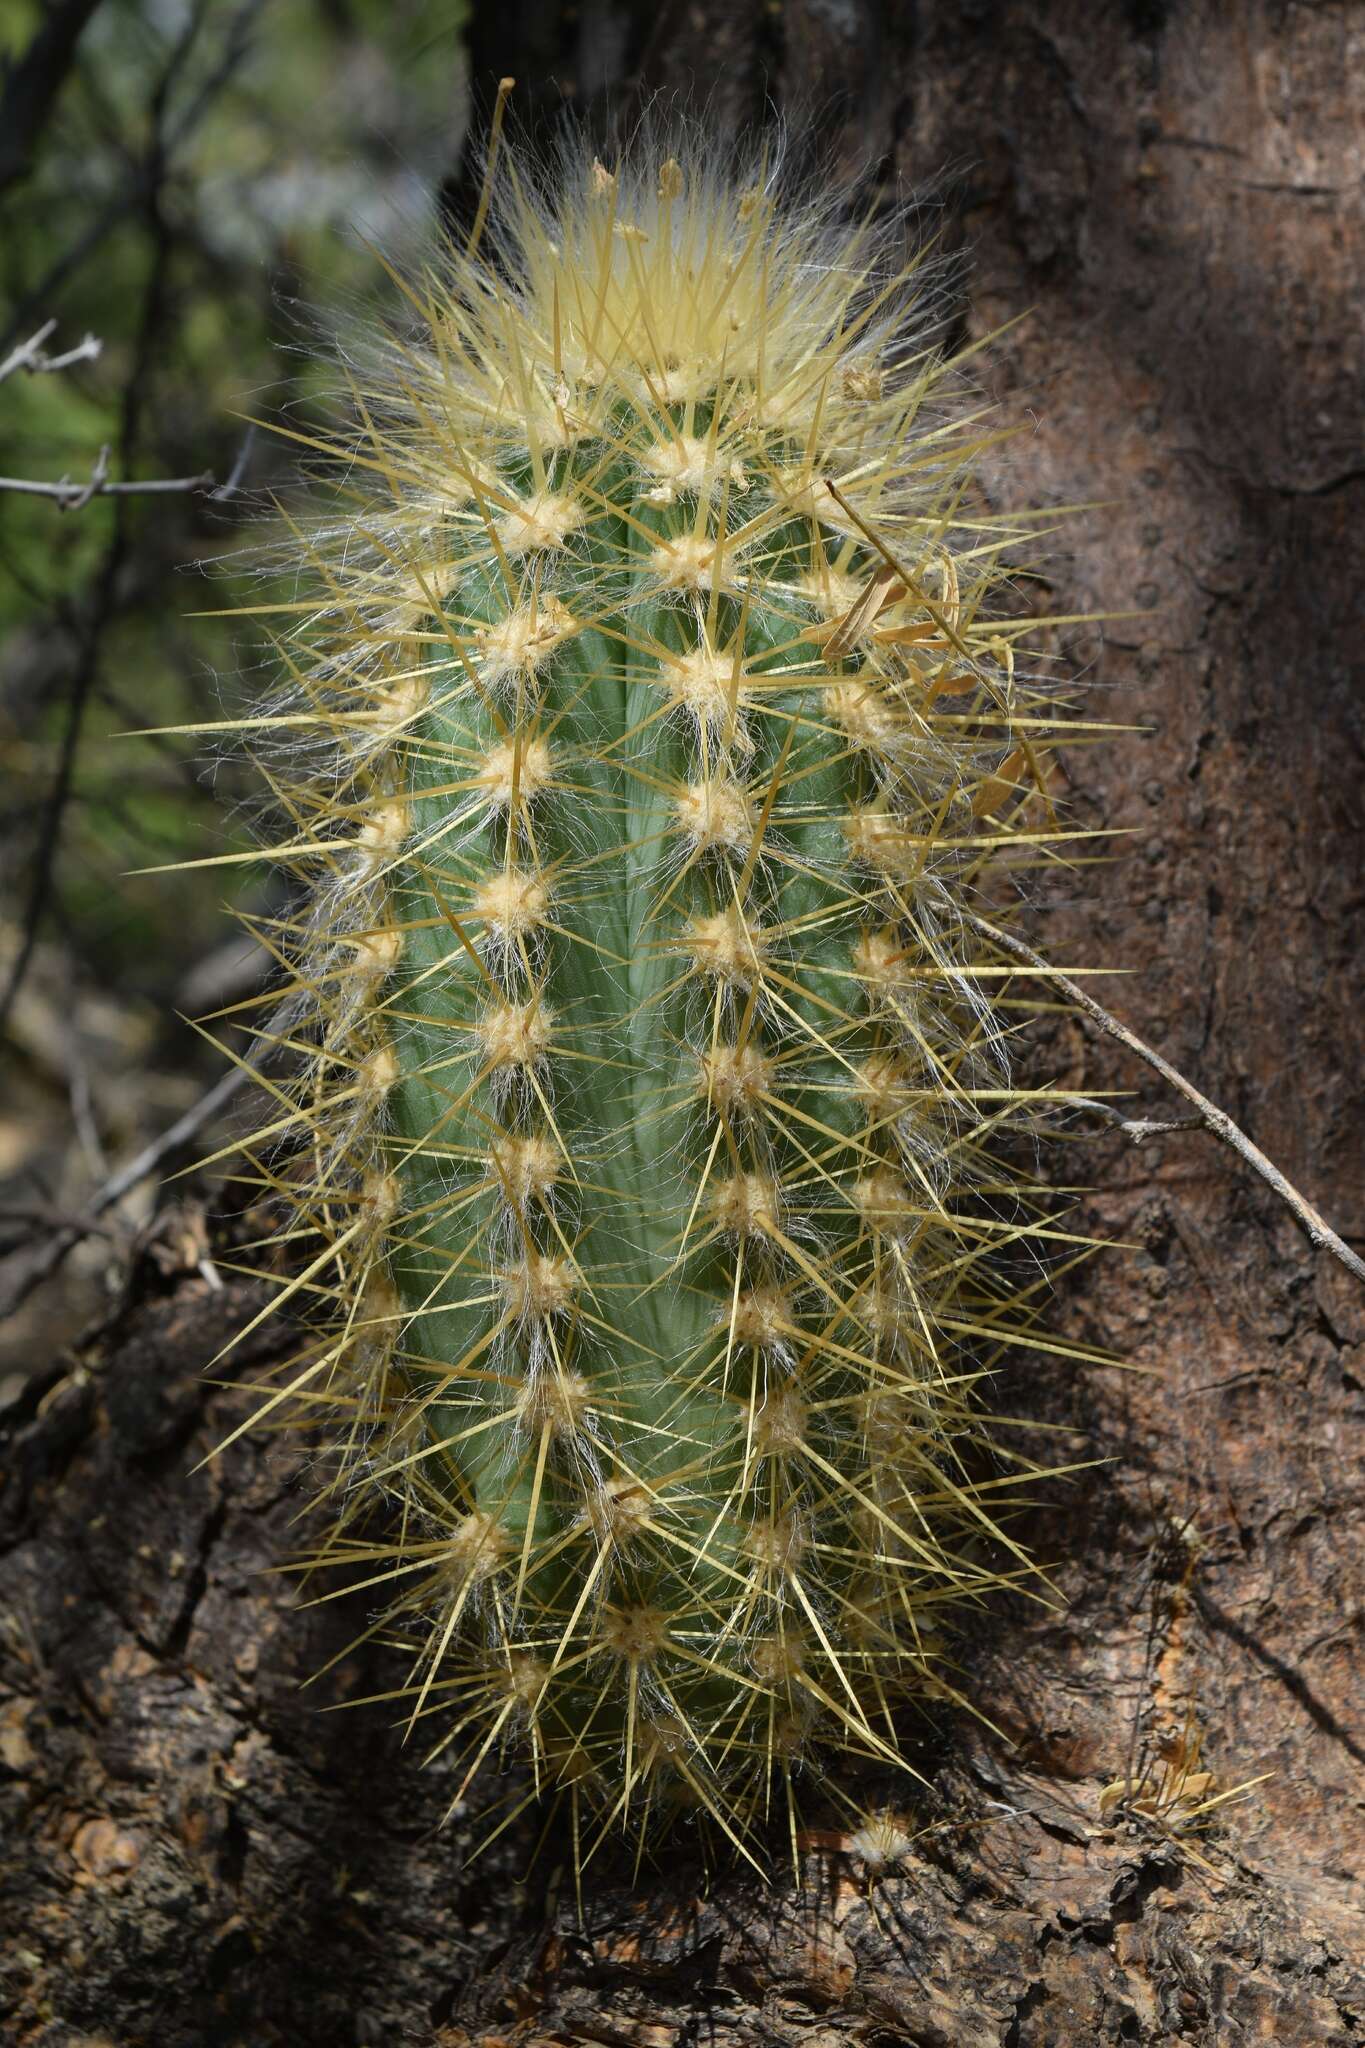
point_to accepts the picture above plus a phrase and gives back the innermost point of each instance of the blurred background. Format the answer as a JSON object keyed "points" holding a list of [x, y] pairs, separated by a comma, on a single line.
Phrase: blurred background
{"points": [[182, 184]]}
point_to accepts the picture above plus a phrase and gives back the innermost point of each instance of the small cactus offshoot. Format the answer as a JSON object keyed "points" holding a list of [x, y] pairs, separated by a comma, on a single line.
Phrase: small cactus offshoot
{"points": [[642, 1074]]}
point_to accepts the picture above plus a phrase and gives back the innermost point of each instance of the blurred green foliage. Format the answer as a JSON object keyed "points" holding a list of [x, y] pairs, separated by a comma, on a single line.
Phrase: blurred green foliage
{"points": [[197, 184], [205, 171]]}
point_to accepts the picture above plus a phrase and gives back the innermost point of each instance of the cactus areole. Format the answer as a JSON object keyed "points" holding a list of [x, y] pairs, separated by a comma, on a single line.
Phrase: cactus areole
{"points": [[647, 729]]}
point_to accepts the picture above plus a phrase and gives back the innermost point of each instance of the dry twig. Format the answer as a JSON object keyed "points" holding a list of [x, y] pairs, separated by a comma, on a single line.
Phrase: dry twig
{"points": [[72, 497], [1135, 1127], [1209, 1116], [30, 355], [68, 1231]]}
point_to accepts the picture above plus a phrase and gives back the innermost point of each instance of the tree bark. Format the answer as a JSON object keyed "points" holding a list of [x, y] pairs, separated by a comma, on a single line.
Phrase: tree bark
{"points": [[193, 1852]]}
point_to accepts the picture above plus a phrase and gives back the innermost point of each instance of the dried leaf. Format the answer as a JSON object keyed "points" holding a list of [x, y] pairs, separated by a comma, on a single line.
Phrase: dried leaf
{"points": [[997, 789], [884, 587]]}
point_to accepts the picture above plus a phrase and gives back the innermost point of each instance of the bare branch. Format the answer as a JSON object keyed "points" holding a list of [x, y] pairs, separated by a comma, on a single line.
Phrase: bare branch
{"points": [[238, 470], [35, 1216], [30, 355], [1209, 1117], [153, 1156], [34, 1265], [72, 497], [1136, 1128]]}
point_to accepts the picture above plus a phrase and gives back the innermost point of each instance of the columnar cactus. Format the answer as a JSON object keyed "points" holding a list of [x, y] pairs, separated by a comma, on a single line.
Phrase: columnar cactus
{"points": [[646, 735]]}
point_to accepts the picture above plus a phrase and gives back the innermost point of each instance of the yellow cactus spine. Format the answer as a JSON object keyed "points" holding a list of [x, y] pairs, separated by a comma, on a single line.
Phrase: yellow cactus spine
{"points": [[641, 1075]]}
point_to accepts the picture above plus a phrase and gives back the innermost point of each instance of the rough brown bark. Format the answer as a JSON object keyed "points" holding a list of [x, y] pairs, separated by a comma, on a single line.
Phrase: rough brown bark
{"points": [[193, 1853]]}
